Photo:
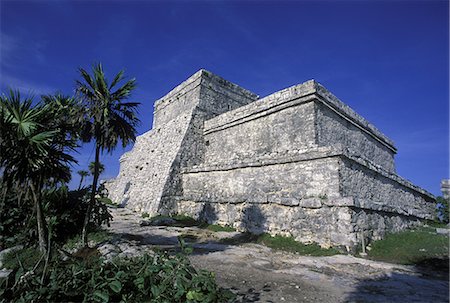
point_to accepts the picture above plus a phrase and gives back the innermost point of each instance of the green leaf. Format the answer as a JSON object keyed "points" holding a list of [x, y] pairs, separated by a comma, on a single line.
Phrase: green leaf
{"points": [[100, 296], [19, 274], [194, 295], [116, 286], [140, 282], [155, 291]]}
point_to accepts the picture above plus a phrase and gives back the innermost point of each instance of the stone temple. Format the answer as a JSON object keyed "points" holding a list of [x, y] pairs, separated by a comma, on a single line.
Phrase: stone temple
{"points": [[298, 162]]}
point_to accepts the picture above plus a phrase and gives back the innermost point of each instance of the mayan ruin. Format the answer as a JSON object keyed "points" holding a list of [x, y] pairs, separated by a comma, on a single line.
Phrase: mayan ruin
{"points": [[298, 162]]}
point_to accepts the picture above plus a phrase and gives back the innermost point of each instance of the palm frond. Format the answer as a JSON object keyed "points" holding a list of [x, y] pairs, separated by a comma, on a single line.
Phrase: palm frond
{"points": [[116, 79]]}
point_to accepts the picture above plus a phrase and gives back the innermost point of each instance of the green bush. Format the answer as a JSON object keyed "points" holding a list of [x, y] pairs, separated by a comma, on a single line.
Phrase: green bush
{"points": [[149, 278], [15, 220], [64, 209], [68, 209]]}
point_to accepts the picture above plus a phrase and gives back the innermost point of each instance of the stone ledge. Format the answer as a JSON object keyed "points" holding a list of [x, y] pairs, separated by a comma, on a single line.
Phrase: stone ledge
{"points": [[297, 156], [262, 107], [311, 203], [293, 96], [270, 159]]}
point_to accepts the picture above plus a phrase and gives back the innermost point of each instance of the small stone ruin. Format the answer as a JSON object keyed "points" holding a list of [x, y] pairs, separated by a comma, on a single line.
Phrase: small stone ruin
{"points": [[298, 162]]}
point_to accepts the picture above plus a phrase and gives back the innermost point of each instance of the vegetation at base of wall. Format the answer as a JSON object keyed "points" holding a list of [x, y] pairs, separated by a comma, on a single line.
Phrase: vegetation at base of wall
{"points": [[218, 228], [283, 243], [289, 244], [148, 278], [186, 221], [180, 220], [411, 247]]}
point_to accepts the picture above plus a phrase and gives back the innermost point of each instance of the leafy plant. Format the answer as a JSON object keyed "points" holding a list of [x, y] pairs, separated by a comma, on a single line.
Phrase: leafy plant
{"points": [[149, 278], [15, 219], [34, 142]]}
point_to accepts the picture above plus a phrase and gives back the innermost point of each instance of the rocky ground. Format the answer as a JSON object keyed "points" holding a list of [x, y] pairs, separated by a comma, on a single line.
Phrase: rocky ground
{"points": [[258, 274]]}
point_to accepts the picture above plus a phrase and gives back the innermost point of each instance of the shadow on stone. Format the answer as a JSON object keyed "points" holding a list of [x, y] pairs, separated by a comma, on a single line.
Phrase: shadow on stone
{"points": [[400, 287], [253, 220], [434, 268], [207, 214]]}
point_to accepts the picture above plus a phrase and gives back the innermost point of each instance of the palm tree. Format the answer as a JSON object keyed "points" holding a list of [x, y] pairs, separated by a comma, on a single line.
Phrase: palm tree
{"points": [[31, 153], [83, 174], [101, 168], [109, 119]]}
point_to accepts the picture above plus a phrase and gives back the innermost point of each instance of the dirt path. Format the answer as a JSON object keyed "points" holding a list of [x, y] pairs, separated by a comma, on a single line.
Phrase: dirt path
{"points": [[258, 274]]}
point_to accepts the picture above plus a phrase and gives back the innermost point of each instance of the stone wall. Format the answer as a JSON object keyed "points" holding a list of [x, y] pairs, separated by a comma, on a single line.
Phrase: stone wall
{"points": [[324, 195]]}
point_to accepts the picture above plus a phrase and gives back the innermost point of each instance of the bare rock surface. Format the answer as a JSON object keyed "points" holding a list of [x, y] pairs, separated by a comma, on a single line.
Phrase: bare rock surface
{"points": [[259, 274]]}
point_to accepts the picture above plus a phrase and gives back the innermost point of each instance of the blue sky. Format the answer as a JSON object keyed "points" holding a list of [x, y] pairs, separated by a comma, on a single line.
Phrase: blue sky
{"points": [[388, 60]]}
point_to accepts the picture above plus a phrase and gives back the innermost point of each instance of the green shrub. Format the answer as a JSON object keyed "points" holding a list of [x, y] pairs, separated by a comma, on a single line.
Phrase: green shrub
{"points": [[64, 209], [15, 220], [149, 278], [107, 201]]}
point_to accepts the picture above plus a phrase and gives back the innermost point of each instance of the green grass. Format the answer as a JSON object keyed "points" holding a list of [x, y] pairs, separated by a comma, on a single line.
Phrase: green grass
{"points": [[290, 245], [187, 221], [95, 236], [181, 220], [217, 228], [410, 247], [281, 243]]}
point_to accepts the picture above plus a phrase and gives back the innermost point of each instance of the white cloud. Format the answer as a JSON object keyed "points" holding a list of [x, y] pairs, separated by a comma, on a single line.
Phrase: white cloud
{"points": [[14, 48], [25, 86]]}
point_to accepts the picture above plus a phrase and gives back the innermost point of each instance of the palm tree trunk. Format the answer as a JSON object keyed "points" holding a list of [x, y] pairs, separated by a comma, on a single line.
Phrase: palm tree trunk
{"points": [[40, 220], [5, 191], [92, 199], [81, 182]]}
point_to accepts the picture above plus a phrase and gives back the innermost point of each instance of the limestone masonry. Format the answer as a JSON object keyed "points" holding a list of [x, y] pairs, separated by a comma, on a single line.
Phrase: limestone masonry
{"points": [[298, 162]]}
